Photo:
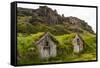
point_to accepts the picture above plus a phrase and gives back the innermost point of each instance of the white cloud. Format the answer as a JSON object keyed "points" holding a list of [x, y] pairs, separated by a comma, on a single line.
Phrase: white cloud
{"points": [[84, 13]]}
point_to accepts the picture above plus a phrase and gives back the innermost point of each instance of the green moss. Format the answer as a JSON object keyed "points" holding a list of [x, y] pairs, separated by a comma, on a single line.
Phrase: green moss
{"points": [[64, 48]]}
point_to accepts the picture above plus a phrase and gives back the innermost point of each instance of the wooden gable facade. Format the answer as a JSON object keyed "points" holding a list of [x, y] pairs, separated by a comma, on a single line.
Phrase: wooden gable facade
{"points": [[47, 46], [78, 44]]}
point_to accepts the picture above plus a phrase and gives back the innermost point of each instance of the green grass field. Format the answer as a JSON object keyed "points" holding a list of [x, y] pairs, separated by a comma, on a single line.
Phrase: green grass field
{"points": [[64, 49]]}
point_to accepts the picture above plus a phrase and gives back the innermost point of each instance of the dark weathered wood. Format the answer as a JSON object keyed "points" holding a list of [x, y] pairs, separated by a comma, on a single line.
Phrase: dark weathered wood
{"points": [[46, 46]]}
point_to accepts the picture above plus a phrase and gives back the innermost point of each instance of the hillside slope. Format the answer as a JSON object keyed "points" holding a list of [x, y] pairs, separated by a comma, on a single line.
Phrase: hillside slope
{"points": [[45, 19], [28, 53]]}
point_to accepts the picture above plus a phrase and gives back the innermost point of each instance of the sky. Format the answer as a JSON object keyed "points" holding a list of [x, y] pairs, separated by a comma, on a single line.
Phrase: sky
{"points": [[84, 13]]}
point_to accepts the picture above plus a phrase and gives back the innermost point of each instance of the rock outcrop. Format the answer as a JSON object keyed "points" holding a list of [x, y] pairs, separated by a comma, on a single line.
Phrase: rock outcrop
{"points": [[46, 15]]}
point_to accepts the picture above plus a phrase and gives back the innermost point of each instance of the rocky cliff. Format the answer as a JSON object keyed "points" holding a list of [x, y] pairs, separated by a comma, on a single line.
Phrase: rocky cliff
{"points": [[49, 17]]}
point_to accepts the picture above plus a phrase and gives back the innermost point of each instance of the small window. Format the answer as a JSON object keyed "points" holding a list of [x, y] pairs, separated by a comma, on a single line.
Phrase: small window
{"points": [[78, 41], [46, 46], [47, 43]]}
